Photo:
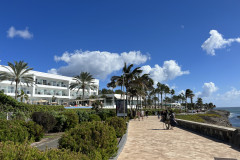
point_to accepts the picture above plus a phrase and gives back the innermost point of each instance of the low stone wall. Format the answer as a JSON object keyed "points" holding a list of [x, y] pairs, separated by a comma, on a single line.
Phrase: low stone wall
{"points": [[227, 134]]}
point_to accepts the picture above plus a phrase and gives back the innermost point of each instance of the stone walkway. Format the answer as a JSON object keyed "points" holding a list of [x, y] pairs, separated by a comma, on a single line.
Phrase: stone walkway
{"points": [[147, 140], [50, 142]]}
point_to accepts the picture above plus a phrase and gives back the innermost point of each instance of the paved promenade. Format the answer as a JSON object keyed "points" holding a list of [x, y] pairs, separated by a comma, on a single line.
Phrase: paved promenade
{"points": [[147, 140]]}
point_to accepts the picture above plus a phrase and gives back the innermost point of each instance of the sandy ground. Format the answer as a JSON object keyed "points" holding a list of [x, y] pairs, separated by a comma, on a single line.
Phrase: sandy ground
{"points": [[148, 140]]}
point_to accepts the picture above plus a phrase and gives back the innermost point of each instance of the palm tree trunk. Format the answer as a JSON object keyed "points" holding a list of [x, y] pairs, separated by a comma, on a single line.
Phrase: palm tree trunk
{"points": [[165, 102], [161, 102], [16, 90], [155, 104], [137, 103], [83, 92], [186, 105], [158, 101], [191, 103]]}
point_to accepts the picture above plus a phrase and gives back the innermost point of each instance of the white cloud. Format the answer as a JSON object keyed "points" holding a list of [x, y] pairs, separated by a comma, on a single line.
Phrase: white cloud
{"points": [[99, 64], [25, 34], [52, 71], [230, 95], [208, 90], [216, 41], [168, 71]]}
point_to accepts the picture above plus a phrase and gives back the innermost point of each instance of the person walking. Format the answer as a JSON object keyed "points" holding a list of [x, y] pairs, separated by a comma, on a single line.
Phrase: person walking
{"points": [[138, 114], [173, 122], [142, 114], [158, 113], [147, 113]]}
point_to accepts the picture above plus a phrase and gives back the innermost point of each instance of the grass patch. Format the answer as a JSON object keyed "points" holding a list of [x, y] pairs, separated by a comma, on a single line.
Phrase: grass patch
{"points": [[196, 117]]}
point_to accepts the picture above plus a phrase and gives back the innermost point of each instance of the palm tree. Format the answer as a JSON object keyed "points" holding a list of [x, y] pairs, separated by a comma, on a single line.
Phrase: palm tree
{"points": [[172, 93], [160, 89], [141, 84], [166, 91], [18, 73], [191, 97], [83, 81], [23, 96], [187, 95], [155, 99], [127, 76], [199, 102]]}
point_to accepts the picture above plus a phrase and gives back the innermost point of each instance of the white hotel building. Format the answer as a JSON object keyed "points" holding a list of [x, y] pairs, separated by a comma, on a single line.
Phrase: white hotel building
{"points": [[46, 86]]}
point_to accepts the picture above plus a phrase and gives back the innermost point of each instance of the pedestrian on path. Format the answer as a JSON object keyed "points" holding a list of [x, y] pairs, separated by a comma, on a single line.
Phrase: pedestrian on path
{"points": [[147, 113], [173, 122], [158, 113], [142, 114], [138, 114]]}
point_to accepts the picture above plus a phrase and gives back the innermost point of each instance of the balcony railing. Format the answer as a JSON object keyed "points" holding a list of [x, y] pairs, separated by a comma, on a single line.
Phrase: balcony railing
{"points": [[50, 84]]}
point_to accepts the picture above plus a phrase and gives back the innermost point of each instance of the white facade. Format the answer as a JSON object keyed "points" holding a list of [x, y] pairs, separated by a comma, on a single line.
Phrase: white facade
{"points": [[46, 86]]}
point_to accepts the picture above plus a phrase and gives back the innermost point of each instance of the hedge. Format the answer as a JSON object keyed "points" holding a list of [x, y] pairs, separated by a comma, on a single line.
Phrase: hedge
{"points": [[20, 131], [9, 104], [44, 119], [10, 150], [118, 124], [94, 117], [91, 138]]}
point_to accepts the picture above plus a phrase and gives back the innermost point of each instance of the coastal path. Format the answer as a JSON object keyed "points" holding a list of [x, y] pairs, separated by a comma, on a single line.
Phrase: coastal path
{"points": [[148, 140]]}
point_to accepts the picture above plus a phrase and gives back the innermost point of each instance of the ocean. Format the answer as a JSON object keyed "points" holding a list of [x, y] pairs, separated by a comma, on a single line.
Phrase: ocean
{"points": [[234, 112]]}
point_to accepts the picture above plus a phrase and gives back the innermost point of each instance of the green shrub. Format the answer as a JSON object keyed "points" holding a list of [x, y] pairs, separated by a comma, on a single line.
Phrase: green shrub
{"points": [[9, 104], [103, 115], [44, 119], [19, 115], [112, 113], [94, 117], [3, 115], [91, 138], [13, 131], [83, 116], [9, 150], [35, 131], [61, 120], [71, 120], [118, 124]]}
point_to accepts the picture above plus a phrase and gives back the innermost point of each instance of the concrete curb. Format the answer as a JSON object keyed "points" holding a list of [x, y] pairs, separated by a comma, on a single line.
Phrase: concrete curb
{"points": [[121, 144]]}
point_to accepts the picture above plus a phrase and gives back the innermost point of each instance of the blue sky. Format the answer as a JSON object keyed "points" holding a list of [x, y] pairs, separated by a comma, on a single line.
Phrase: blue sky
{"points": [[171, 39]]}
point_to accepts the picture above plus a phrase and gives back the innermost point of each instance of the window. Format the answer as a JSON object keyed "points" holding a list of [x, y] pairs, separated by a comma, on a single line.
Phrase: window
{"points": [[44, 82]]}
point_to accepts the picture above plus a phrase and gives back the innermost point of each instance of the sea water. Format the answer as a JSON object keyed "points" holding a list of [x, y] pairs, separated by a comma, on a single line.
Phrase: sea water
{"points": [[234, 112]]}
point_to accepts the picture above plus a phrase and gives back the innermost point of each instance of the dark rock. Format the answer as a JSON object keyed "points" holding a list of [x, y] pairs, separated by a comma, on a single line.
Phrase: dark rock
{"points": [[221, 121]]}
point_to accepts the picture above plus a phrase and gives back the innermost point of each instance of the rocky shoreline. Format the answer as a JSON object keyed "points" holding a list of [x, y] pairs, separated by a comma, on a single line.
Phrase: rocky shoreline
{"points": [[221, 121]]}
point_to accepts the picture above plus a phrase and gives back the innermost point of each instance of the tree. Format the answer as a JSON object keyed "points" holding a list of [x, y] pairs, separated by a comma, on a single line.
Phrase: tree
{"points": [[187, 95], [160, 89], [155, 99], [199, 102], [118, 91], [106, 91], [191, 97], [18, 73], [83, 81], [166, 91], [172, 92], [175, 98], [23, 96], [128, 75]]}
